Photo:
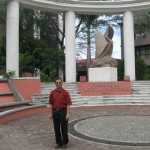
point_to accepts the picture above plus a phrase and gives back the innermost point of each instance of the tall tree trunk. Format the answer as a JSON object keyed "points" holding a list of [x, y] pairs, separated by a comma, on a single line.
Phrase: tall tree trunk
{"points": [[88, 49]]}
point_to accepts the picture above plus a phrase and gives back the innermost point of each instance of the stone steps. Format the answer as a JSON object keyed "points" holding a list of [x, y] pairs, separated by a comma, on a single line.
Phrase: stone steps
{"points": [[140, 95]]}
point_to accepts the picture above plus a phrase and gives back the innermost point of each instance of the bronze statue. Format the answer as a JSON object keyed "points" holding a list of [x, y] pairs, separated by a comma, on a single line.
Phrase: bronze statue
{"points": [[104, 48]]}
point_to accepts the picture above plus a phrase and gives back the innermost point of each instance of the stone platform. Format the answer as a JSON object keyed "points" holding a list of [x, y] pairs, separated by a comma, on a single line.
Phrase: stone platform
{"points": [[102, 74], [126, 130], [36, 132]]}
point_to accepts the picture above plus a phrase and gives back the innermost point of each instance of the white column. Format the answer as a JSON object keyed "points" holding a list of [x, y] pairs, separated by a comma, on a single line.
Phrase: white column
{"points": [[12, 37], [129, 49], [70, 54]]}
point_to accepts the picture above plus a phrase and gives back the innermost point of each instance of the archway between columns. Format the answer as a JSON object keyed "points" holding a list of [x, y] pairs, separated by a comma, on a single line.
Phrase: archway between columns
{"points": [[72, 7]]}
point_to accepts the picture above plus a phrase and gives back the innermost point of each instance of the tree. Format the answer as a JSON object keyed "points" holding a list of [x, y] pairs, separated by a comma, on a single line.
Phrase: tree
{"points": [[88, 24], [30, 46], [141, 69], [49, 26], [142, 22], [39, 53], [2, 39], [120, 69], [47, 60], [2, 21], [2, 55]]}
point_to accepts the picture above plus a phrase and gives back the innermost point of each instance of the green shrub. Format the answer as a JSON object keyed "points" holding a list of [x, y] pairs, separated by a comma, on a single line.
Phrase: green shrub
{"points": [[10, 74]]}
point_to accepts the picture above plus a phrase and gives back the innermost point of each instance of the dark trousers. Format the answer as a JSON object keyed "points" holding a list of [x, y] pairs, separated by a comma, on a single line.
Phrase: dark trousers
{"points": [[60, 126]]}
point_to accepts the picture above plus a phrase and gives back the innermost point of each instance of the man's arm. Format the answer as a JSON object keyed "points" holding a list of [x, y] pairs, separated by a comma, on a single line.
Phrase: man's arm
{"points": [[69, 102], [68, 112], [50, 112]]}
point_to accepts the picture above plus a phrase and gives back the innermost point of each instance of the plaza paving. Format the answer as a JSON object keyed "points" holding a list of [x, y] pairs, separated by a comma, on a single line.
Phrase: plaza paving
{"points": [[36, 132]]}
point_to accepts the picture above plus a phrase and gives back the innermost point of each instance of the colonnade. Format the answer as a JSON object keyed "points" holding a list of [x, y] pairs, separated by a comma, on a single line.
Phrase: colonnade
{"points": [[12, 42]]}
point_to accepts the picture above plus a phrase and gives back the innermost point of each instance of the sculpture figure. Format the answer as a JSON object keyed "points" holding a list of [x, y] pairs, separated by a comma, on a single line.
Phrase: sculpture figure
{"points": [[104, 48]]}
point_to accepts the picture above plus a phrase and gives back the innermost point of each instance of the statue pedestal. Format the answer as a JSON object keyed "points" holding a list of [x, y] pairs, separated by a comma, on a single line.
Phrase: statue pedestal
{"points": [[105, 74]]}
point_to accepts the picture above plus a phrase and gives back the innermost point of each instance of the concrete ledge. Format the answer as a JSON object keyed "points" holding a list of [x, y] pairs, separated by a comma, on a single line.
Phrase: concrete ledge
{"points": [[21, 112], [3, 79], [6, 93], [14, 104]]}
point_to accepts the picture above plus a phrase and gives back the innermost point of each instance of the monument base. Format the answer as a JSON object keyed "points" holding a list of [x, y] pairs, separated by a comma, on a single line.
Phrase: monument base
{"points": [[105, 74]]}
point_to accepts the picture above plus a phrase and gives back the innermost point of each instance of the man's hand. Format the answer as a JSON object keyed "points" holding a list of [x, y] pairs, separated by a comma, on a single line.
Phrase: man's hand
{"points": [[50, 116], [67, 117]]}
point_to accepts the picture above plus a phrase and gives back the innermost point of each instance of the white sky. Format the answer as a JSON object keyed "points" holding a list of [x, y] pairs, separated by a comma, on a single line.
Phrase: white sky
{"points": [[116, 44]]}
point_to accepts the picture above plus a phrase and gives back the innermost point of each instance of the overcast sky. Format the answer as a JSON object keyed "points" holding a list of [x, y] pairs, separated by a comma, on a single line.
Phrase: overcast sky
{"points": [[116, 44]]}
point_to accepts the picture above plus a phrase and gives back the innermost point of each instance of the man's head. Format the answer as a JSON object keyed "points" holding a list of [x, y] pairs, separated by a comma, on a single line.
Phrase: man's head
{"points": [[58, 83]]}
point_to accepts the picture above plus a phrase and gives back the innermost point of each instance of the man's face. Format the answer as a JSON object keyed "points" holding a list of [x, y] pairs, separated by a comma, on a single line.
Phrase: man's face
{"points": [[58, 84]]}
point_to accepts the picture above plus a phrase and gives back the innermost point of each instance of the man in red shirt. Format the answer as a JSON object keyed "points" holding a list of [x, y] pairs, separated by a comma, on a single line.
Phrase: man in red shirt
{"points": [[60, 102]]}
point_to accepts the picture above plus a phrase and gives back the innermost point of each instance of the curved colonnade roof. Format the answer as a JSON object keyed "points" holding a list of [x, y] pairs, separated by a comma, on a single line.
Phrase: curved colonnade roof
{"points": [[87, 6]]}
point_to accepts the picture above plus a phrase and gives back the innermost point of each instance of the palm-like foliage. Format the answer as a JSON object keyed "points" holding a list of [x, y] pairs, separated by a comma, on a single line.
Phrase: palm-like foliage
{"points": [[88, 24]]}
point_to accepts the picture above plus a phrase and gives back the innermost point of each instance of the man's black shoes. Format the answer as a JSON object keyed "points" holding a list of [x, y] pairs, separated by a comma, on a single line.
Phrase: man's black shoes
{"points": [[64, 146], [58, 146]]}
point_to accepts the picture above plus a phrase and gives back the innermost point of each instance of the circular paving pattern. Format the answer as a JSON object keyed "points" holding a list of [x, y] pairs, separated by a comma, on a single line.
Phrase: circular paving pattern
{"points": [[129, 130]]}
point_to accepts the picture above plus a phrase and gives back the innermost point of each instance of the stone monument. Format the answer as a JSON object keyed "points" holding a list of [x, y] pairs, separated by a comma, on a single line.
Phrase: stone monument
{"points": [[103, 68]]}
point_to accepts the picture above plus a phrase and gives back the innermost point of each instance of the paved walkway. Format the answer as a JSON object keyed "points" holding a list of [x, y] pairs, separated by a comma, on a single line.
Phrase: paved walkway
{"points": [[36, 132]]}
